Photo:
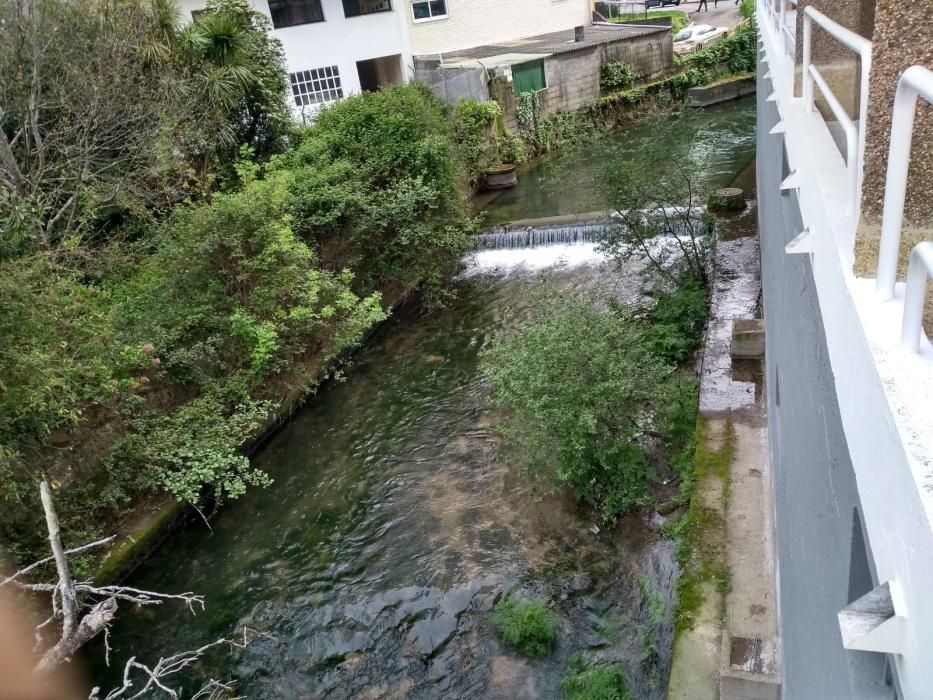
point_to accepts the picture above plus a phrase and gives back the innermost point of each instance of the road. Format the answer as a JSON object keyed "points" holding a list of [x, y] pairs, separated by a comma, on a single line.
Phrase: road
{"points": [[721, 13]]}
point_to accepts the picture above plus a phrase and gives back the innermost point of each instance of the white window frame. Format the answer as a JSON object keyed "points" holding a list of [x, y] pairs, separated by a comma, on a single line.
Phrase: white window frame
{"points": [[326, 80], [432, 18]]}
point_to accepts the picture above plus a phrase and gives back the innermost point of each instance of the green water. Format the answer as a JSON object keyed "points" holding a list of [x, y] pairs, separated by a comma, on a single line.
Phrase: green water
{"points": [[394, 523], [724, 145]]}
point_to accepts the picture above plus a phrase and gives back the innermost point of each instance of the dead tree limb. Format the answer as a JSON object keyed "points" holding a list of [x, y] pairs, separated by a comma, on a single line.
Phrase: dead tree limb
{"points": [[84, 611]]}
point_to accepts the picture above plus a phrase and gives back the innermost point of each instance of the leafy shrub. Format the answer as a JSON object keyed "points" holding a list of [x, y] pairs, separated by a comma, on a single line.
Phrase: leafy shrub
{"points": [[511, 149], [375, 186], [197, 445], [473, 122], [616, 76], [526, 625], [597, 683], [584, 394], [677, 320], [747, 9]]}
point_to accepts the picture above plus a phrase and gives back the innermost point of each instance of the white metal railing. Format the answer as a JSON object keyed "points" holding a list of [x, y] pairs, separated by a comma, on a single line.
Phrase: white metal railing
{"points": [[919, 270], [854, 131], [789, 31], [915, 82]]}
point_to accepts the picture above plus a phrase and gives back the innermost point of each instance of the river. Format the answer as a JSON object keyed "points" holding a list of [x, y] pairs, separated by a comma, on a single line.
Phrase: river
{"points": [[394, 523]]}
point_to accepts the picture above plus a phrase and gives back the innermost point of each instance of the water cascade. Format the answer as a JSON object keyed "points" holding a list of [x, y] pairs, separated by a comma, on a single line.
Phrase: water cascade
{"points": [[564, 234]]}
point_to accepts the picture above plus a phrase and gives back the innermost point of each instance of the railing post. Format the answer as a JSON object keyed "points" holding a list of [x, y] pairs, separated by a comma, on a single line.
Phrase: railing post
{"points": [[915, 81], [919, 271], [807, 78]]}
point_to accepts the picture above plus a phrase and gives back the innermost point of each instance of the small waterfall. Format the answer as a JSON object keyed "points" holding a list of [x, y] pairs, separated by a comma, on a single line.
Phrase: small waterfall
{"points": [[533, 236], [502, 237]]}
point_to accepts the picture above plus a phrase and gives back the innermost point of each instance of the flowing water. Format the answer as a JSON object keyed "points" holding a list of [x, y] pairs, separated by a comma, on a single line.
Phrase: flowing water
{"points": [[724, 143], [394, 524]]}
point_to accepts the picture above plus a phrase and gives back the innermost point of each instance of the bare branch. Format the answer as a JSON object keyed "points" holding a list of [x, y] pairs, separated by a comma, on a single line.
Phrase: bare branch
{"points": [[69, 602], [37, 564]]}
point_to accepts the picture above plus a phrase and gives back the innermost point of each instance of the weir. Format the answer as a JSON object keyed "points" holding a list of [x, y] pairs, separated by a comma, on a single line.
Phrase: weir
{"points": [[531, 236]]}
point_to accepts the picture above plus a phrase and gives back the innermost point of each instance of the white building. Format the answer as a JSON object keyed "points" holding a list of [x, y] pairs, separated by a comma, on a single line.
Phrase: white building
{"points": [[336, 48]]}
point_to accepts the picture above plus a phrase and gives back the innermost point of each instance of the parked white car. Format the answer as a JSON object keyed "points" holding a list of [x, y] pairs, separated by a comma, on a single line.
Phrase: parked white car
{"points": [[696, 37]]}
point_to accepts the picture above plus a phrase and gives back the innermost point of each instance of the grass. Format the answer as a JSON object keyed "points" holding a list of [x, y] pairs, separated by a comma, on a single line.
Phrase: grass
{"points": [[679, 18], [657, 607], [527, 625], [597, 683], [701, 552]]}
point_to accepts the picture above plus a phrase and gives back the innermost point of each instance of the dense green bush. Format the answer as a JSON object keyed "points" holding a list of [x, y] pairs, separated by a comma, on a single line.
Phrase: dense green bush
{"points": [[376, 187], [160, 352], [736, 53], [584, 395], [473, 135], [526, 625], [596, 683], [616, 76], [677, 321]]}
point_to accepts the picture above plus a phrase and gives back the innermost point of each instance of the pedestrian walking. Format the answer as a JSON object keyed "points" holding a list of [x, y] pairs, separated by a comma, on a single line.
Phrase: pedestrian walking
{"points": [[715, 4], [702, 6]]}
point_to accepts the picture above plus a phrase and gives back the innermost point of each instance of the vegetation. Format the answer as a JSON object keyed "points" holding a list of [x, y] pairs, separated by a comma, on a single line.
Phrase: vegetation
{"points": [[473, 126], [527, 625], [596, 683], [701, 550], [616, 76], [736, 54], [669, 201], [185, 261], [587, 420]]}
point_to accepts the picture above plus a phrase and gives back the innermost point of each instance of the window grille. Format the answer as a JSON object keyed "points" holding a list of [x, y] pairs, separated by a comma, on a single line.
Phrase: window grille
{"points": [[316, 86]]}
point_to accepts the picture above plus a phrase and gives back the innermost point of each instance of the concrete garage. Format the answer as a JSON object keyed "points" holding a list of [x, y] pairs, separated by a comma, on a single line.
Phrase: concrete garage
{"points": [[563, 67]]}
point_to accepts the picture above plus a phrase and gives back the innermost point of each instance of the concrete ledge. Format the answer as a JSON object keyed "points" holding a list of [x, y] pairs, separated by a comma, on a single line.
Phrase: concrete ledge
{"points": [[721, 91], [750, 668], [748, 338]]}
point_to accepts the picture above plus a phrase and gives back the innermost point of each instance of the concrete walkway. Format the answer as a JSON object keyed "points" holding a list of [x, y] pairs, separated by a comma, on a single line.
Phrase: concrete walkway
{"points": [[732, 651]]}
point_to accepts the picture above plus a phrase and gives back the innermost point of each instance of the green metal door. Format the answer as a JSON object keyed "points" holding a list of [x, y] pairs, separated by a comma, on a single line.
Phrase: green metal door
{"points": [[528, 77]]}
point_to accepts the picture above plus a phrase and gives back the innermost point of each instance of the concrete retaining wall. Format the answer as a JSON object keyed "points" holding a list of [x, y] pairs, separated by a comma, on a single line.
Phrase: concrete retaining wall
{"points": [[822, 558], [720, 92]]}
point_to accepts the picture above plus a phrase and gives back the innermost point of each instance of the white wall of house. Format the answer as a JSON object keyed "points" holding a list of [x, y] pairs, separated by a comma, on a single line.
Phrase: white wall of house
{"points": [[469, 23], [337, 41]]}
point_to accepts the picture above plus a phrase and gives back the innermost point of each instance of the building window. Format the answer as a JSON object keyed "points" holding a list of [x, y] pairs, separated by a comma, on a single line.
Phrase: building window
{"points": [[428, 9], [355, 8], [287, 13], [316, 86], [528, 77]]}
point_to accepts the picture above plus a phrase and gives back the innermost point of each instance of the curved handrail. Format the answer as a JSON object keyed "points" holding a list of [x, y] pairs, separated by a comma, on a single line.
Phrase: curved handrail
{"points": [[861, 46], [919, 272], [914, 83]]}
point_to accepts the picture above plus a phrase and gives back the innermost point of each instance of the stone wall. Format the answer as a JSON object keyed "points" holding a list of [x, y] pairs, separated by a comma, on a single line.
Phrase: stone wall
{"points": [[573, 77], [900, 40]]}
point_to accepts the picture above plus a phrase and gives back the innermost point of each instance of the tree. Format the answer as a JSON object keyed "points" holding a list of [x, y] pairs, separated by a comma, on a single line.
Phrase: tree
{"points": [[585, 399], [110, 109], [79, 115], [659, 216], [80, 611]]}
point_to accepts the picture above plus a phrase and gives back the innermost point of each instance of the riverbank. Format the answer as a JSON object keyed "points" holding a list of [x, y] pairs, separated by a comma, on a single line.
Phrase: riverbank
{"points": [[394, 524], [727, 645]]}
